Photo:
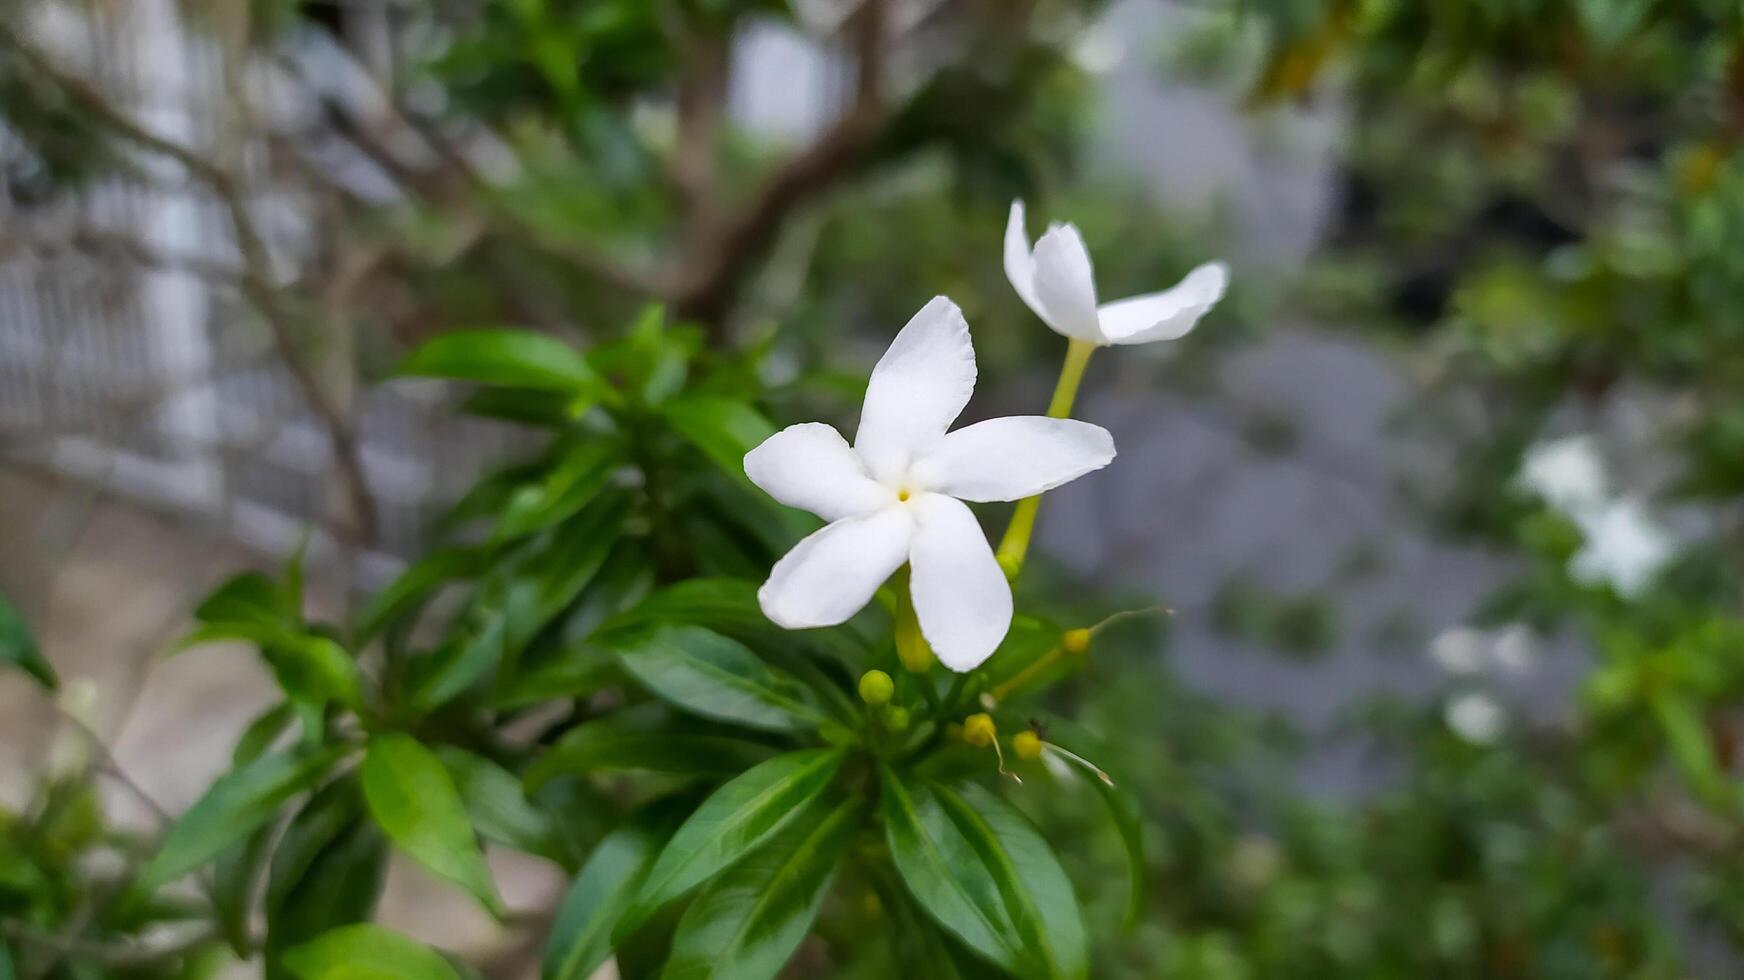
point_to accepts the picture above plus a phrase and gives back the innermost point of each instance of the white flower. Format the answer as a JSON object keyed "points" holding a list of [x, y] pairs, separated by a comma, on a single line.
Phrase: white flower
{"points": [[897, 494], [1625, 546], [1475, 717], [1460, 650], [1566, 472], [1056, 281]]}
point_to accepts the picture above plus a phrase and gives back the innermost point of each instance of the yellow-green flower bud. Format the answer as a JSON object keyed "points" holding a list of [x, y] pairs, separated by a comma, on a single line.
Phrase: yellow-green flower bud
{"points": [[1027, 745], [1076, 641], [876, 687], [897, 719], [978, 730]]}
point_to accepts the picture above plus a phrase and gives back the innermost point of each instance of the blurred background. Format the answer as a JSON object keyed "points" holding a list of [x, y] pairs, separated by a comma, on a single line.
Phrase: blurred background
{"points": [[1443, 499]]}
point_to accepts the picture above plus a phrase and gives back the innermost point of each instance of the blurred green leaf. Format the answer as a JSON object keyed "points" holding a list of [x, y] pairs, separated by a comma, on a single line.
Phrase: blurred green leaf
{"points": [[645, 738], [512, 358], [18, 646], [499, 808], [367, 952], [413, 587], [236, 805]]}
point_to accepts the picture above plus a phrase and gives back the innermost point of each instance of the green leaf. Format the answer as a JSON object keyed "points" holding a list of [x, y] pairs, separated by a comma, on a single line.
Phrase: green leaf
{"points": [[414, 586], [367, 952], [499, 809], [1033, 887], [18, 647], [578, 476], [309, 667], [327, 871], [261, 733], [445, 673], [250, 597], [1123, 804], [581, 935], [751, 918], [234, 877], [736, 820], [236, 805], [551, 409], [513, 358], [729, 607], [414, 800], [707, 674], [723, 428], [945, 874], [644, 739]]}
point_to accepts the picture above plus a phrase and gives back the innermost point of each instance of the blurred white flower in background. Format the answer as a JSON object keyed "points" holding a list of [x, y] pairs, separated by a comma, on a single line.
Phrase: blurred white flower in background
{"points": [[896, 495], [1466, 651], [1626, 544], [1476, 717], [1056, 281]]}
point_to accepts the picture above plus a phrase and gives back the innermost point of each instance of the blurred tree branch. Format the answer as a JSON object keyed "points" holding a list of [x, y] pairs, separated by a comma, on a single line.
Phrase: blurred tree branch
{"points": [[357, 522]]}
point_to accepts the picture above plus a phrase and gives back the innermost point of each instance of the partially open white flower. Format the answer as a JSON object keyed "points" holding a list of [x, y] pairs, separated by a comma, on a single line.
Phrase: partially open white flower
{"points": [[897, 494], [1055, 280]]}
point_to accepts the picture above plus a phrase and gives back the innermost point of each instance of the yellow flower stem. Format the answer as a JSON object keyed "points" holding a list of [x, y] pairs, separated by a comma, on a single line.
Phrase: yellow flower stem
{"points": [[1015, 544], [1030, 673], [911, 645]]}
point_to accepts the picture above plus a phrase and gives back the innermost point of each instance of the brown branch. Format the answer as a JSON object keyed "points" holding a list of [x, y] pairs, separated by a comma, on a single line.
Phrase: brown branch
{"points": [[706, 289], [359, 522]]}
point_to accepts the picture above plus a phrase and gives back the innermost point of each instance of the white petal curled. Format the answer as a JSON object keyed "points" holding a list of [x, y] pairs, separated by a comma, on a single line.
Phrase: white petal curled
{"points": [[918, 388], [1013, 458], [833, 572], [810, 466], [1065, 284], [960, 594], [1169, 314], [1019, 263]]}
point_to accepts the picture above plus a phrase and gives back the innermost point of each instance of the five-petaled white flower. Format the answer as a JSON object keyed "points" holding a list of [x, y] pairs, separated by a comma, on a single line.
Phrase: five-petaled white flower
{"points": [[1055, 280], [897, 494]]}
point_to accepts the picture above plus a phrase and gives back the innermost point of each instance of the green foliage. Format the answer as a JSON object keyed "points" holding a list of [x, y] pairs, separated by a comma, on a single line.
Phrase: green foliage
{"points": [[18, 646]]}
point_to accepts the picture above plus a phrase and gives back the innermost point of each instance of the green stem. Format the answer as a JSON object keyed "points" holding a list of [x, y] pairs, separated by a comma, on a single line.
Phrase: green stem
{"points": [[1015, 544]]}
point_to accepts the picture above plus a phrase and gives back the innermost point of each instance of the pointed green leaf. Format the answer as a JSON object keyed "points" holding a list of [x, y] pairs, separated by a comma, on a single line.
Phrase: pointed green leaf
{"points": [[234, 877], [414, 586], [236, 805], [414, 800], [327, 871], [645, 738], [250, 597], [367, 952], [703, 672], [1034, 889], [513, 358], [18, 647], [500, 810], [577, 478], [945, 874], [738, 818], [751, 918], [581, 935]]}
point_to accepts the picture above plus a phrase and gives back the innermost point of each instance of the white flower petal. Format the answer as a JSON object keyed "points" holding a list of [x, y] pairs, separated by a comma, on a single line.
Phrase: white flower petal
{"points": [[833, 572], [960, 594], [1019, 263], [918, 388], [1065, 284], [810, 466], [1169, 314], [1012, 458]]}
